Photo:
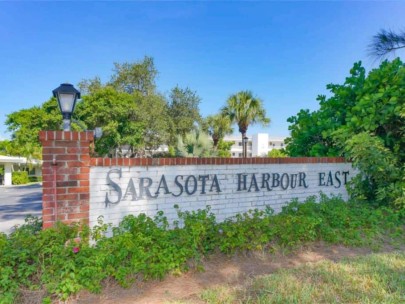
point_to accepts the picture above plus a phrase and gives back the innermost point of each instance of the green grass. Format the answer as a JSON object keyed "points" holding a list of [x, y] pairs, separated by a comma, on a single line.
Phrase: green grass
{"points": [[376, 278]]}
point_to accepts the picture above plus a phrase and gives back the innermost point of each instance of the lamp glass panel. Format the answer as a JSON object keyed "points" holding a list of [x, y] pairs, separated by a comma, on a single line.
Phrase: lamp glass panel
{"points": [[66, 102]]}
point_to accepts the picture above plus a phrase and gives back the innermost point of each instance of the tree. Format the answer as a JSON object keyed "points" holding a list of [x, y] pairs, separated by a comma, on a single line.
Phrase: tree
{"points": [[11, 148], [135, 77], [25, 124], [134, 118], [183, 109], [89, 86], [378, 108], [224, 148], [153, 114], [194, 144], [306, 137], [381, 180], [117, 114], [386, 42], [363, 120], [218, 126], [6, 147], [244, 109], [312, 132]]}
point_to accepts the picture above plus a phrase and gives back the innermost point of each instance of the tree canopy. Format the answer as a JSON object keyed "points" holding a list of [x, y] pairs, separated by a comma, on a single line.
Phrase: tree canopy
{"points": [[244, 109], [183, 108], [364, 120], [25, 124], [139, 77], [372, 103], [134, 117], [218, 126]]}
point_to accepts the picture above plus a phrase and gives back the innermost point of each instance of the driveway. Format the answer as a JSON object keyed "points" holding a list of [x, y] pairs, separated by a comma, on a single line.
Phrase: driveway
{"points": [[16, 203]]}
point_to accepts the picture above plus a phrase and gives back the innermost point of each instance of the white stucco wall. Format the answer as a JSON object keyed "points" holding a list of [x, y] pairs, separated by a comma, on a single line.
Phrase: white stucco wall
{"points": [[260, 144]]}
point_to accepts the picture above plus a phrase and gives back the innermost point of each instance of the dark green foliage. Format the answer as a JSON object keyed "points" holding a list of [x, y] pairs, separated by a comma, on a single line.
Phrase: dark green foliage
{"points": [[35, 179], [363, 120], [336, 221], [117, 113], [373, 104], [332, 220], [308, 137], [38, 259], [382, 175], [134, 117], [248, 231], [184, 112], [20, 178], [140, 248], [198, 231]]}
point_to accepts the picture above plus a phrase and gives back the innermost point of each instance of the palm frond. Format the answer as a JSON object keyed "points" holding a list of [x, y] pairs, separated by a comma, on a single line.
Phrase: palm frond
{"points": [[386, 42]]}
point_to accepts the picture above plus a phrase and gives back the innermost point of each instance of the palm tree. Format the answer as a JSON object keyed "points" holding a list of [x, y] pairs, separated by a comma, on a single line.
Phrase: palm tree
{"points": [[244, 109], [194, 144], [385, 42], [218, 126]]}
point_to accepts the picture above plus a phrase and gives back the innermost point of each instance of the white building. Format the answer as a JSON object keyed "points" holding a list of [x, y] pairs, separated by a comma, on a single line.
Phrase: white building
{"points": [[258, 145], [15, 163]]}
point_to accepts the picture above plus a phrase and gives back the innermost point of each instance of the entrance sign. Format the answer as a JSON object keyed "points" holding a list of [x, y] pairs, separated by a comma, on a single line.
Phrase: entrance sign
{"points": [[116, 191], [79, 188]]}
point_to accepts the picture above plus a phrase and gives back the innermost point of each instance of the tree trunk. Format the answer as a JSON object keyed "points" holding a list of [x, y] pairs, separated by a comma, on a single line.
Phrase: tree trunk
{"points": [[244, 144], [215, 139]]}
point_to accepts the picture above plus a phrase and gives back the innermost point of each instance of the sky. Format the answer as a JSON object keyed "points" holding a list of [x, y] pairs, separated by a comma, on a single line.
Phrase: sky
{"points": [[284, 52]]}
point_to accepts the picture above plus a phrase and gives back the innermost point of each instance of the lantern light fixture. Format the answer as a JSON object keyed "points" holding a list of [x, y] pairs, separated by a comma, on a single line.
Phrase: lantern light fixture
{"points": [[67, 95]]}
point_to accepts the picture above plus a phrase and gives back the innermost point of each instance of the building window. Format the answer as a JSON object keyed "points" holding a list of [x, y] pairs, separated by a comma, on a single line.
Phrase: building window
{"points": [[233, 154], [282, 144], [240, 154], [239, 144]]}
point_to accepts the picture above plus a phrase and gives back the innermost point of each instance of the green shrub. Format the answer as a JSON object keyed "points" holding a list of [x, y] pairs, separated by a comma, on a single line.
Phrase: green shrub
{"points": [[60, 261], [251, 230], [275, 153], [20, 177], [34, 179], [382, 176]]}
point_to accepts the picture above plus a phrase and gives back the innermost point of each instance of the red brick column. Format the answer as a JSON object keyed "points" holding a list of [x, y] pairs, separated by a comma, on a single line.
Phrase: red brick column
{"points": [[65, 173]]}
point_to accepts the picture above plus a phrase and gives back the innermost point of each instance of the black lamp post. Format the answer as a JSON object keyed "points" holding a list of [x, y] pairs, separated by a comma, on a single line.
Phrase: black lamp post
{"points": [[244, 144], [67, 96]]}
